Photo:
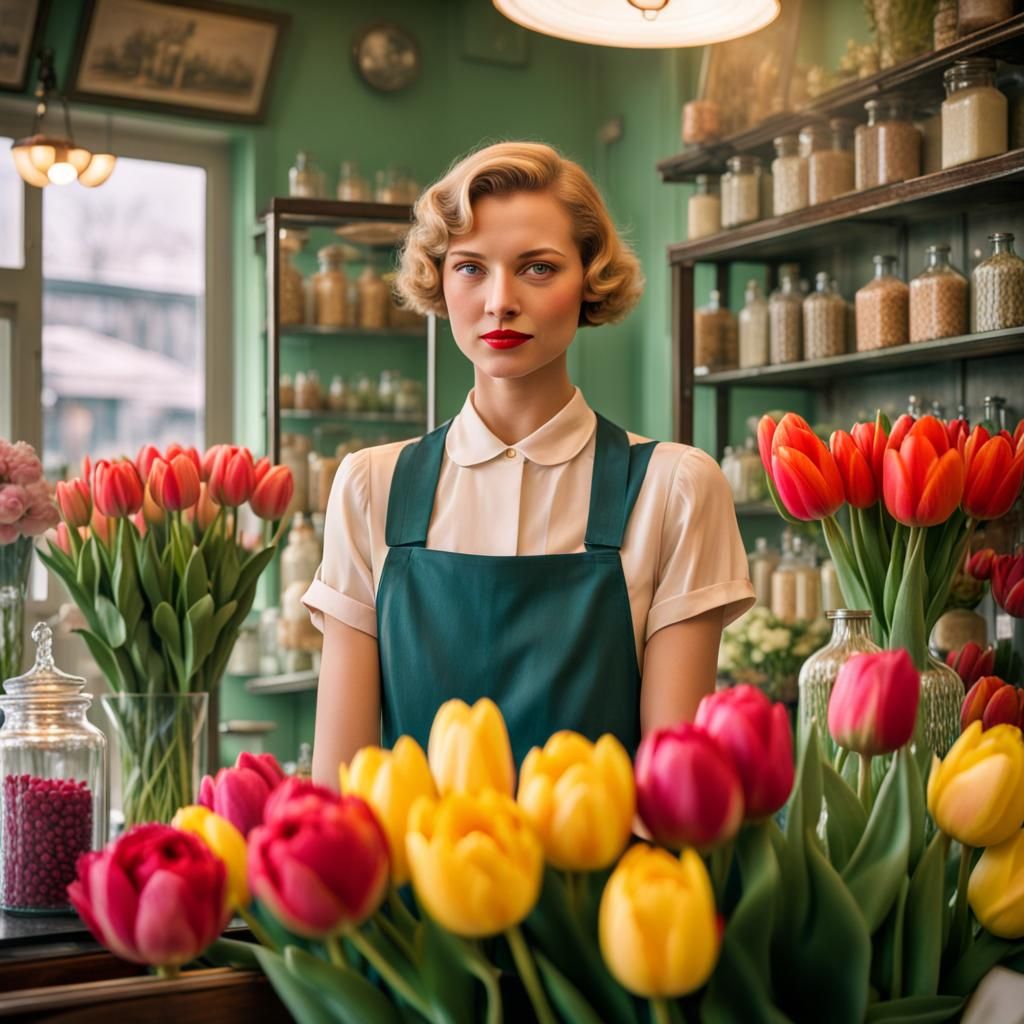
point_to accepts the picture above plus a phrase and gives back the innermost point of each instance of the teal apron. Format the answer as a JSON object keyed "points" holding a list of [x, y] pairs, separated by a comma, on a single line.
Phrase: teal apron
{"points": [[549, 638]]}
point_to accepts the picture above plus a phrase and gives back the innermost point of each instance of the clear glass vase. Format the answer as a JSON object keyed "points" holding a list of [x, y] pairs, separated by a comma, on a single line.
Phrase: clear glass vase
{"points": [[938, 715], [15, 561], [161, 748]]}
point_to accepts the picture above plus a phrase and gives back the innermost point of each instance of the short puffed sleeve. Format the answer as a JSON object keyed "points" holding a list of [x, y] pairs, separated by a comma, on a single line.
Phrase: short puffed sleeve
{"points": [[702, 562], [343, 586]]}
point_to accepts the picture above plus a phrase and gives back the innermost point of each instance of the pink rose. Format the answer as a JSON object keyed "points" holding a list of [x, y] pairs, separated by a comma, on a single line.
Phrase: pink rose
{"points": [[12, 503], [23, 466]]}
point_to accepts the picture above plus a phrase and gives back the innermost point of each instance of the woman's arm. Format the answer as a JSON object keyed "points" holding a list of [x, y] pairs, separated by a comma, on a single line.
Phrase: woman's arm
{"points": [[347, 699], [680, 665]]}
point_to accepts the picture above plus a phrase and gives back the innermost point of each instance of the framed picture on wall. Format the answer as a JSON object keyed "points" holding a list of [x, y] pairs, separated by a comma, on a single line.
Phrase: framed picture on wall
{"points": [[192, 57], [21, 22]]}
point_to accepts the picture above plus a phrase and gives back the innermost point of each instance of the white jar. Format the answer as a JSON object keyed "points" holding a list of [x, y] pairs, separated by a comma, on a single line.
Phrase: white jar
{"points": [[974, 113], [753, 327], [704, 209]]}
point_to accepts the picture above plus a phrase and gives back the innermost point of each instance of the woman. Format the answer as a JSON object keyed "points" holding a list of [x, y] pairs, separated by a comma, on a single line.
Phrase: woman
{"points": [[529, 550]]}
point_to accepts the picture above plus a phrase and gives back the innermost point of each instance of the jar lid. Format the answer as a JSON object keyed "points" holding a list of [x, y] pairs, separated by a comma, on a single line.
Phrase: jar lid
{"points": [[848, 613], [44, 679]]}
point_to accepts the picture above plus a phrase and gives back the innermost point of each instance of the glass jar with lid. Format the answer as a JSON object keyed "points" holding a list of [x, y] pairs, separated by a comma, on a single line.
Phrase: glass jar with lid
{"points": [[944, 24], [409, 399], [974, 113], [715, 337], [330, 287], [829, 159], [704, 209], [308, 394], [53, 801], [783, 603], [824, 321], [882, 306], [785, 317], [938, 298], [352, 186], [974, 15], [387, 390], [865, 149], [301, 556], [999, 287], [286, 392], [374, 299], [305, 179], [752, 477], [897, 141], [291, 293], [761, 563], [789, 176], [753, 327], [741, 191]]}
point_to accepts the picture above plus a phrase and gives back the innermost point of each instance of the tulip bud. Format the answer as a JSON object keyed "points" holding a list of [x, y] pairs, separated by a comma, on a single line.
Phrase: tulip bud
{"points": [[292, 790], [148, 454], [1008, 584], [101, 528], [231, 478], [117, 488], [804, 472], [225, 842], [469, 749], [174, 450], [765, 432], [75, 501], [872, 439], [859, 484], [971, 662], [240, 794], [996, 889], [979, 565], [873, 705], [205, 510], [207, 460], [273, 493], [260, 469], [977, 698], [993, 475], [63, 538], [174, 484], [922, 477], [958, 431], [1004, 707]]}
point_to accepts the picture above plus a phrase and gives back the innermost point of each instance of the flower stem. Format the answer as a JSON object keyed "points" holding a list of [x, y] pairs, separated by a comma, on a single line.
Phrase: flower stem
{"points": [[864, 782], [721, 861], [169, 972], [394, 934], [959, 933], [260, 934], [404, 919], [528, 973], [573, 892], [336, 951], [659, 1011], [387, 971]]}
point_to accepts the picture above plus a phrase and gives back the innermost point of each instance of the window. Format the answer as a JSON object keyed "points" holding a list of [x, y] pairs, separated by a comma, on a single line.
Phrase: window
{"points": [[12, 248]]}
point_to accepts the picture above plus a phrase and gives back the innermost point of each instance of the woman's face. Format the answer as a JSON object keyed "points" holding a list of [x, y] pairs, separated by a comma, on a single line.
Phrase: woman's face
{"points": [[514, 285]]}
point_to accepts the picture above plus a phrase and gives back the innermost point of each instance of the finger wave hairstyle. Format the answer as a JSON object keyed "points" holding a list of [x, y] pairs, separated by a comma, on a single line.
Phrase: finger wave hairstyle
{"points": [[611, 271]]}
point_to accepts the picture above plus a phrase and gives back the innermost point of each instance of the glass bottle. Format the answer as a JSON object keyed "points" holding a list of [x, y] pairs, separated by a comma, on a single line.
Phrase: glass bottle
{"points": [[785, 317], [831, 594], [715, 337], [330, 287], [808, 581], [754, 486], [704, 209], [366, 390], [789, 176], [286, 392], [784, 582], [830, 160], [761, 563], [974, 15], [753, 325], [741, 191], [337, 394], [305, 179], [938, 298], [897, 142], [1011, 84], [53, 801], [999, 287], [387, 390], [732, 471], [974, 113], [824, 321], [374, 299], [291, 293], [301, 556], [883, 308], [352, 186], [865, 149]]}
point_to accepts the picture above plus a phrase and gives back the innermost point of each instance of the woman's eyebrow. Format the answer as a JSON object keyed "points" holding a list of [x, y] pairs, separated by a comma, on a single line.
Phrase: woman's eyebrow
{"points": [[522, 256]]}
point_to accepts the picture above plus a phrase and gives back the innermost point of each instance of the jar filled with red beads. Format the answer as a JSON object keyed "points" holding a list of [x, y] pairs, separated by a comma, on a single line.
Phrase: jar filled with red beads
{"points": [[53, 784]]}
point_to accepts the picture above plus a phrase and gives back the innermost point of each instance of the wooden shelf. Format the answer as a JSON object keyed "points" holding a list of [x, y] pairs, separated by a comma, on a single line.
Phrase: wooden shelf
{"points": [[317, 331], [287, 682], [920, 76], [295, 212], [352, 417], [995, 180]]}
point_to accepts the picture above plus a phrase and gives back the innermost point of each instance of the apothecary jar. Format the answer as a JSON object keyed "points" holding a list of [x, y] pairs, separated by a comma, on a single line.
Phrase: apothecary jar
{"points": [[53, 802]]}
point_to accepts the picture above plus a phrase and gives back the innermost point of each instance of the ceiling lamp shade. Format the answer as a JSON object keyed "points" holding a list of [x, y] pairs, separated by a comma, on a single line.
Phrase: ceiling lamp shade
{"points": [[651, 24]]}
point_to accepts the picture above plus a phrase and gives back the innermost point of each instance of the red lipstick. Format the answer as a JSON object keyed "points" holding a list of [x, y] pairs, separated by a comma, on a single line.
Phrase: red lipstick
{"points": [[505, 339]]}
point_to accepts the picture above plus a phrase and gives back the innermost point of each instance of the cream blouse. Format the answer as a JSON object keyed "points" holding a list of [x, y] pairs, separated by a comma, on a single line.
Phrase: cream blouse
{"points": [[681, 555]]}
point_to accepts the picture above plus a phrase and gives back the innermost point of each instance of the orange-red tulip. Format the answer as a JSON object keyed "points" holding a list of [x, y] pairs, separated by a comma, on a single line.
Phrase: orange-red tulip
{"points": [[958, 431], [979, 565], [765, 432], [923, 478], [805, 474], [1018, 435], [971, 662], [101, 527], [872, 439], [148, 454], [1008, 584], [117, 488], [993, 475], [859, 482], [973, 707], [63, 539], [899, 431], [175, 484], [75, 501], [207, 460], [1003, 708], [189, 452], [232, 476], [260, 469], [273, 493]]}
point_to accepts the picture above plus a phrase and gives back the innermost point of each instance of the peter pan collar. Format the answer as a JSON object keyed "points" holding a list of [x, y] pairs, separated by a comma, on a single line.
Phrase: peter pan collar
{"points": [[470, 442]]}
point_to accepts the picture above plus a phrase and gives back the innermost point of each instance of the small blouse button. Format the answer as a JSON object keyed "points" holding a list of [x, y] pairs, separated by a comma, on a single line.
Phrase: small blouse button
{"points": [[510, 453]]}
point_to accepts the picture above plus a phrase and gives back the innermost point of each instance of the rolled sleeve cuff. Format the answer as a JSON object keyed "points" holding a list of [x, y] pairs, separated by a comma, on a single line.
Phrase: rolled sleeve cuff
{"points": [[733, 596], [321, 600]]}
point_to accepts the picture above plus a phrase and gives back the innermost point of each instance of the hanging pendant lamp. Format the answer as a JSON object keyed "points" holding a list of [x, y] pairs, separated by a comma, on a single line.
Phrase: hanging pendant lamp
{"points": [[44, 159], [642, 23]]}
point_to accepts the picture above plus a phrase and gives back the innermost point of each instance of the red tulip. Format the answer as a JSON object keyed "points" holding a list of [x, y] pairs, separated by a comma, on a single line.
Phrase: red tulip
{"points": [[1008, 583], [147, 455], [273, 493], [972, 662], [859, 484], [75, 501], [207, 460], [993, 475], [757, 734], [240, 794], [63, 538], [872, 439], [1003, 708], [155, 896], [87, 470], [874, 702], [804, 472], [189, 452], [232, 475], [899, 431], [979, 565], [922, 479], [1018, 435], [260, 469], [765, 432], [117, 488], [977, 698], [291, 790], [319, 864], [688, 790], [958, 431], [152, 514], [175, 484]]}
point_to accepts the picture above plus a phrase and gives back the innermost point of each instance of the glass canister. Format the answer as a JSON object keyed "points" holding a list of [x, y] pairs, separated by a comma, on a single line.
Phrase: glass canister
{"points": [[753, 325], [752, 476], [374, 299], [704, 209], [701, 121], [308, 394], [785, 317], [829, 153], [301, 556], [783, 602], [897, 142], [53, 802], [865, 149], [741, 191], [291, 293], [352, 186], [305, 179], [286, 392], [761, 563], [974, 15], [882, 308], [789, 176], [974, 113], [938, 298], [824, 321], [732, 471], [715, 336], [337, 394], [330, 287], [999, 287]]}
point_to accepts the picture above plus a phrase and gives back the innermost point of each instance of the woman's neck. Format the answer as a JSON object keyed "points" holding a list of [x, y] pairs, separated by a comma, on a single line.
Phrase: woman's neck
{"points": [[515, 408]]}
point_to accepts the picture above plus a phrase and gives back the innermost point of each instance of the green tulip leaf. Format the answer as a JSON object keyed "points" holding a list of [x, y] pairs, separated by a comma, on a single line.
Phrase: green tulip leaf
{"points": [[199, 637], [167, 627], [894, 573], [68, 577], [197, 582], [982, 955], [917, 811], [124, 581], [450, 986], [804, 810], [565, 996], [232, 953], [887, 958], [845, 821], [62, 565], [104, 658], [923, 928], [88, 571], [225, 574], [112, 624], [304, 1002], [353, 999], [252, 567], [149, 576], [915, 1010]]}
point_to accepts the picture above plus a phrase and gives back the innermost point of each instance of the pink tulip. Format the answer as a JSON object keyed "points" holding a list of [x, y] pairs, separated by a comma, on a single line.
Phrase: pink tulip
{"points": [[117, 488], [319, 864], [232, 476], [75, 501], [155, 896], [874, 702], [273, 493], [757, 734], [63, 538], [688, 790], [148, 454], [240, 794], [174, 485], [293, 789]]}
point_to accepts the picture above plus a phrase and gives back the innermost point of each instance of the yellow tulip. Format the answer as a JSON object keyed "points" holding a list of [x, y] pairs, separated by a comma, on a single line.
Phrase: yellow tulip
{"points": [[580, 798], [391, 781], [225, 841], [996, 888], [976, 792], [476, 864], [469, 749], [657, 923]]}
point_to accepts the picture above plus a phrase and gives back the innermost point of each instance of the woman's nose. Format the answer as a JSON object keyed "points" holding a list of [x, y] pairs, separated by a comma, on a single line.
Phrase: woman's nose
{"points": [[502, 302]]}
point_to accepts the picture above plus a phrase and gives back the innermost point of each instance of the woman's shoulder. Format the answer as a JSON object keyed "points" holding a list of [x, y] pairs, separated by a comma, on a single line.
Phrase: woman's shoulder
{"points": [[676, 461], [368, 471]]}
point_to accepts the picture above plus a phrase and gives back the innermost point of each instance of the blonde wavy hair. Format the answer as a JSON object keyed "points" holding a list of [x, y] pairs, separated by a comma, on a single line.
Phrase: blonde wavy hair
{"points": [[611, 271]]}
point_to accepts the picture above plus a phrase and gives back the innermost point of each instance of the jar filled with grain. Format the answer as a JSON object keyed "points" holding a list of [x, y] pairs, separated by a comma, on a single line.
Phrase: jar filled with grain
{"points": [[897, 144], [882, 308], [785, 317], [291, 293], [824, 321], [938, 298], [944, 24], [337, 394], [999, 287], [741, 191], [286, 392], [715, 337], [308, 394], [352, 186], [974, 113], [753, 320], [974, 15], [865, 149], [789, 176], [374, 299], [704, 209], [330, 287], [829, 161]]}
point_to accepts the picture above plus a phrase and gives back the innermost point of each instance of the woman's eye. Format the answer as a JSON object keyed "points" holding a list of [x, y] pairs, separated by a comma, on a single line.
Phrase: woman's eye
{"points": [[540, 269], [467, 269]]}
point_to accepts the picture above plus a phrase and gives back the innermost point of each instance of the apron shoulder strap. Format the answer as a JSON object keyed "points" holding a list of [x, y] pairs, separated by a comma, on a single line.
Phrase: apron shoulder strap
{"points": [[411, 498]]}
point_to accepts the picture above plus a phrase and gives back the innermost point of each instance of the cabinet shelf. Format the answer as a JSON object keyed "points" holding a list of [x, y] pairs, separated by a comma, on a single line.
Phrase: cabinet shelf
{"points": [[353, 417]]}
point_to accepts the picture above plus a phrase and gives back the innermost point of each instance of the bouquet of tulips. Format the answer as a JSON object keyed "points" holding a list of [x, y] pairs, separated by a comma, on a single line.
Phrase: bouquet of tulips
{"points": [[150, 552]]}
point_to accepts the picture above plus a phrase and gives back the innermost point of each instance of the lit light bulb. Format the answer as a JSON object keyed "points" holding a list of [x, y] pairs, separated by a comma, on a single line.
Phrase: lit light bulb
{"points": [[61, 173]]}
